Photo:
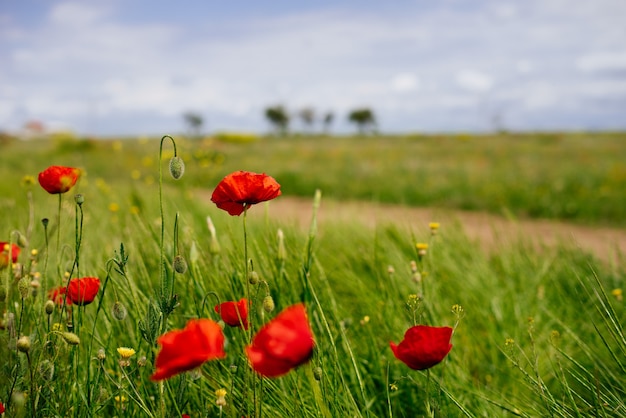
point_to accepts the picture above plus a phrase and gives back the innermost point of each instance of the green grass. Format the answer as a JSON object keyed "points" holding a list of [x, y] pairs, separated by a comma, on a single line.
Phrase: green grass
{"points": [[540, 334]]}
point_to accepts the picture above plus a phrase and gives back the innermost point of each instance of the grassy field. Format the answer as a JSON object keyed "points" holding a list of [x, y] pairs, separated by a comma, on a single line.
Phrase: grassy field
{"points": [[538, 331]]}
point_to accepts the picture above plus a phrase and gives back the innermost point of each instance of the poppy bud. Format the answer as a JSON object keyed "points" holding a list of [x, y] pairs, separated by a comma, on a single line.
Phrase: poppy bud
{"points": [[21, 240], [214, 245], [71, 338], [49, 307], [177, 167], [44, 222], [180, 265], [194, 254], [253, 277], [317, 373], [24, 287], [119, 311], [268, 304], [23, 344], [79, 199], [46, 370], [282, 252], [49, 348]]}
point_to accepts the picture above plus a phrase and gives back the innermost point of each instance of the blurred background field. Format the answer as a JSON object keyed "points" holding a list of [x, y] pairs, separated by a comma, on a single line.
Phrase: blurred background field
{"points": [[578, 177], [541, 329]]}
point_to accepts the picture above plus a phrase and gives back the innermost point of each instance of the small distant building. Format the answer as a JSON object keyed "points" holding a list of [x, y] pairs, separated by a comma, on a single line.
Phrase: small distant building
{"points": [[33, 129]]}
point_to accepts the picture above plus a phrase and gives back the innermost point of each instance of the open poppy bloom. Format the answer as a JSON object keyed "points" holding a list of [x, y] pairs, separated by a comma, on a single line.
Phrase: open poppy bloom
{"points": [[235, 314], [58, 179], [423, 346], [201, 340], [282, 344], [4, 253], [241, 189], [57, 294], [83, 291]]}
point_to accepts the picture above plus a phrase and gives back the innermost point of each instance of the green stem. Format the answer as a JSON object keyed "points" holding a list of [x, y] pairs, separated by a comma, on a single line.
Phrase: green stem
{"points": [[32, 393], [59, 223], [161, 204]]}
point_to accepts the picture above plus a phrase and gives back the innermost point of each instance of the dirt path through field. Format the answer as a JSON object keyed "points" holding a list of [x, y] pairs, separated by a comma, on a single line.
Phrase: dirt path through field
{"points": [[486, 229]]}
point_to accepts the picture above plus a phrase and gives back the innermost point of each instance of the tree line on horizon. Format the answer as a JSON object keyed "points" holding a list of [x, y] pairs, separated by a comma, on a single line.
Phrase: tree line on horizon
{"points": [[280, 120]]}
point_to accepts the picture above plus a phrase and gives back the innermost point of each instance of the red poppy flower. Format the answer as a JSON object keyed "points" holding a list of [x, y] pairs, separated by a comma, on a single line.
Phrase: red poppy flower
{"points": [[241, 189], [282, 344], [83, 291], [235, 314], [423, 346], [58, 179], [4, 253], [201, 340], [57, 294], [1, 408]]}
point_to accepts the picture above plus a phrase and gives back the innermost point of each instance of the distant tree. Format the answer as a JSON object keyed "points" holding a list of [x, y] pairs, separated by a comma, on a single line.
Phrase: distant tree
{"points": [[278, 117], [363, 118], [307, 115], [194, 122], [328, 120]]}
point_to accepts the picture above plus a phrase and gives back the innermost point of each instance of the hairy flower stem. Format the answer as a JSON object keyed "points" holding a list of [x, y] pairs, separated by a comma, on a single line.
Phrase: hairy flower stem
{"points": [[45, 263], [250, 380], [246, 266], [32, 394], [162, 270], [78, 238], [59, 224], [163, 273], [93, 332]]}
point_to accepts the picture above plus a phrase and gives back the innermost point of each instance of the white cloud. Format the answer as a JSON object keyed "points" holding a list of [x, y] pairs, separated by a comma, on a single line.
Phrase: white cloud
{"points": [[76, 14], [404, 82], [474, 81], [603, 61]]}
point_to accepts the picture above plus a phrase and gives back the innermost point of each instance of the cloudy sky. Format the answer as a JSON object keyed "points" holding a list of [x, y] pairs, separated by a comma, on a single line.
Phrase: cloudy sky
{"points": [[135, 66]]}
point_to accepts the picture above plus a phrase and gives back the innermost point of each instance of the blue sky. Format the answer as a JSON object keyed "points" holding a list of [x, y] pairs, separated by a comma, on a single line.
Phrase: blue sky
{"points": [[135, 66]]}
